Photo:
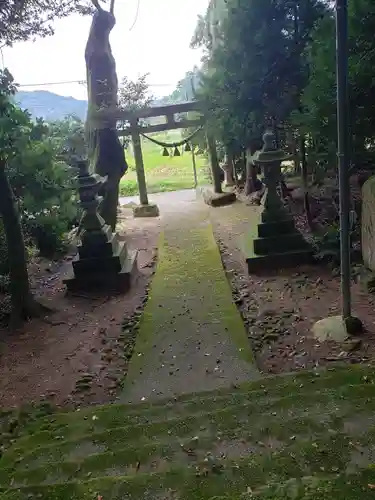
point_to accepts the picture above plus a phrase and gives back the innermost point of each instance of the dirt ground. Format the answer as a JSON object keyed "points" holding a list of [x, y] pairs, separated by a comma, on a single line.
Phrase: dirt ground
{"points": [[79, 356], [279, 309]]}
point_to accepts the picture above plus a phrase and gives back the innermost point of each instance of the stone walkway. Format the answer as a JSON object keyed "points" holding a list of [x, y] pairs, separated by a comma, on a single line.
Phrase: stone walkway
{"points": [[191, 335]]}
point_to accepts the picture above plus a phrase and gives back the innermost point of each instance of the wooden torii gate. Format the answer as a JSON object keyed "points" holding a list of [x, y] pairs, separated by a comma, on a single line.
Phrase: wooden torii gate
{"points": [[128, 124]]}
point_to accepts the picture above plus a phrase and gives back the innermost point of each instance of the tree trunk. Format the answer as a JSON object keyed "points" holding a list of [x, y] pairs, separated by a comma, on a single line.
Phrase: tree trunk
{"points": [[23, 303], [214, 161], [106, 153], [108, 160], [251, 174], [305, 183]]}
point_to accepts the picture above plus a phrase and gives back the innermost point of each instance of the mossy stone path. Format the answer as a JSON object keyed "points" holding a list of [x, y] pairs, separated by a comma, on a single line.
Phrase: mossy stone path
{"points": [[191, 335]]}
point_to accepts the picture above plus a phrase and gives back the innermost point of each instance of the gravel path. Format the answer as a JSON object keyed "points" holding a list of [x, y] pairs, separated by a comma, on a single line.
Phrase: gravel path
{"points": [[191, 335]]}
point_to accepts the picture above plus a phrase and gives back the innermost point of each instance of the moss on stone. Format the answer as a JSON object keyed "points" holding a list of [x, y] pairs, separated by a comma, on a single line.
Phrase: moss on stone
{"points": [[189, 266], [308, 433], [261, 394]]}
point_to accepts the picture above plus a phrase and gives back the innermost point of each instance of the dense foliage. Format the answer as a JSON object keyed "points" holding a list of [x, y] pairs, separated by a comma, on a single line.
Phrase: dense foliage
{"points": [[41, 180], [319, 95], [271, 63], [22, 142], [23, 19], [257, 69]]}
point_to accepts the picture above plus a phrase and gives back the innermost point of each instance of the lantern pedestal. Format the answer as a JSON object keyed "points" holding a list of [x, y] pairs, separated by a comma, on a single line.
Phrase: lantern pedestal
{"points": [[103, 262], [217, 199], [278, 242], [150, 210], [227, 168]]}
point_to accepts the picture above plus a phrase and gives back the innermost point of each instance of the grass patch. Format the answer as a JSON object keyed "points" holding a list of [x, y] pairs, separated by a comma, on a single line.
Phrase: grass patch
{"points": [[163, 173]]}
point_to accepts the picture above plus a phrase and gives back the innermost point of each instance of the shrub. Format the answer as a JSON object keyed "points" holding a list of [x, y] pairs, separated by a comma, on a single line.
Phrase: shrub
{"points": [[45, 190]]}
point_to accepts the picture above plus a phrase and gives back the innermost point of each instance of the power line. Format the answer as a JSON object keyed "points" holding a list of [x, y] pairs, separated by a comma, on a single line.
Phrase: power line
{"points": [[52, 83], [82, 82], [136, 15]]}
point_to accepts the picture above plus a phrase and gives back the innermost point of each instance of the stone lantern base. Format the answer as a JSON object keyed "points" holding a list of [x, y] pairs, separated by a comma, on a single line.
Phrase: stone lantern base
{"points": [[103, 263], [278, 244]]}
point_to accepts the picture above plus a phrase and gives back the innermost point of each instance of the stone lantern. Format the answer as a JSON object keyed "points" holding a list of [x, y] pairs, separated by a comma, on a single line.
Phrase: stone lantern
{"points": [[103, 262], [278, 243], [228, 168]]}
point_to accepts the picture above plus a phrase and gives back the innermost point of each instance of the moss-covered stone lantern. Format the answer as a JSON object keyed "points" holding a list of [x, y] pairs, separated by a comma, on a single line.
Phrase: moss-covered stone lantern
{"points": [[103, 262], [278, 243]]}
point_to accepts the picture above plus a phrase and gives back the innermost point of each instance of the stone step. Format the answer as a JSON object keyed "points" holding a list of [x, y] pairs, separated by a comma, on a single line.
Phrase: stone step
{"points": [[113, 279], [279, 260], [281, 243], [258, 436], [269, 229], [111, 263], [105, 249], [117, 448], [263, 394]]}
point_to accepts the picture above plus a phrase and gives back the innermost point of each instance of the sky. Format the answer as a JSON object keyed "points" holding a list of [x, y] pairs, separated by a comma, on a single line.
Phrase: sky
{"points": [[155, 41]]}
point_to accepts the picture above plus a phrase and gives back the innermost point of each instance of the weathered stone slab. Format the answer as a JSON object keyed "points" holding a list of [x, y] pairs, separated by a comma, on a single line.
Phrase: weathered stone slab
{"points": [[279, 260], [266, 229], [368, 223], [146, 211], [100, 249], [114, 282], [366, 279], [218, 199], [105, 264]]}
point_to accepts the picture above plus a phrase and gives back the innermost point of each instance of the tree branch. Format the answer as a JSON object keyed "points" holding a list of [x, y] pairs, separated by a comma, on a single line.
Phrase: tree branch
{"points": [[96, 4]]}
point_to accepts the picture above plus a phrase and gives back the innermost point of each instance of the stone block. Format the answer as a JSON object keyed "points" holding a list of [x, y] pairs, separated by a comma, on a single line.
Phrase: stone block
{"points": [[146, 211], [102, 264], [114, 281], [93, 238], [218, 199], [368, 223], [275, 260], [266, 229], [366, 279], [282, 242], [101, 249]]}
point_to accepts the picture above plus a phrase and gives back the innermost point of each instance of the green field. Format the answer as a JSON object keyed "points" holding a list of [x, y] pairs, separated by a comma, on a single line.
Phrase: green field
{"points": [[163, 173]]}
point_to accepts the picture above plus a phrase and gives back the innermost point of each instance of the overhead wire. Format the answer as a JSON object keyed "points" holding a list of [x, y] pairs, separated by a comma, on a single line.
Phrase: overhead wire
{"points": [[136, 15], [82, 82]]}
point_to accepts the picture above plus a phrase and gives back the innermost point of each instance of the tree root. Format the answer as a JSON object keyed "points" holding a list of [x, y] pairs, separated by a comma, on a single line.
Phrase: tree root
{"points": [[31, 308]]}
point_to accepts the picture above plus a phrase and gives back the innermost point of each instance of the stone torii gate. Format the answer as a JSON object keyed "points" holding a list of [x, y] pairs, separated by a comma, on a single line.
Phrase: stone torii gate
{"points": [[128, 124]]}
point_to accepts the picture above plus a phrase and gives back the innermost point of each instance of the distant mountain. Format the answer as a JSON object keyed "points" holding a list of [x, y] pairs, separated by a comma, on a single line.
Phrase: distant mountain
{"points": [[50, 106]]}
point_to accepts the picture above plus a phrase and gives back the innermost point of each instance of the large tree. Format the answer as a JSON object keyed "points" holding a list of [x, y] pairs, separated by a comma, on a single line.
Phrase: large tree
{"points": [[319, 96], [256, 70], [106, 153]]}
